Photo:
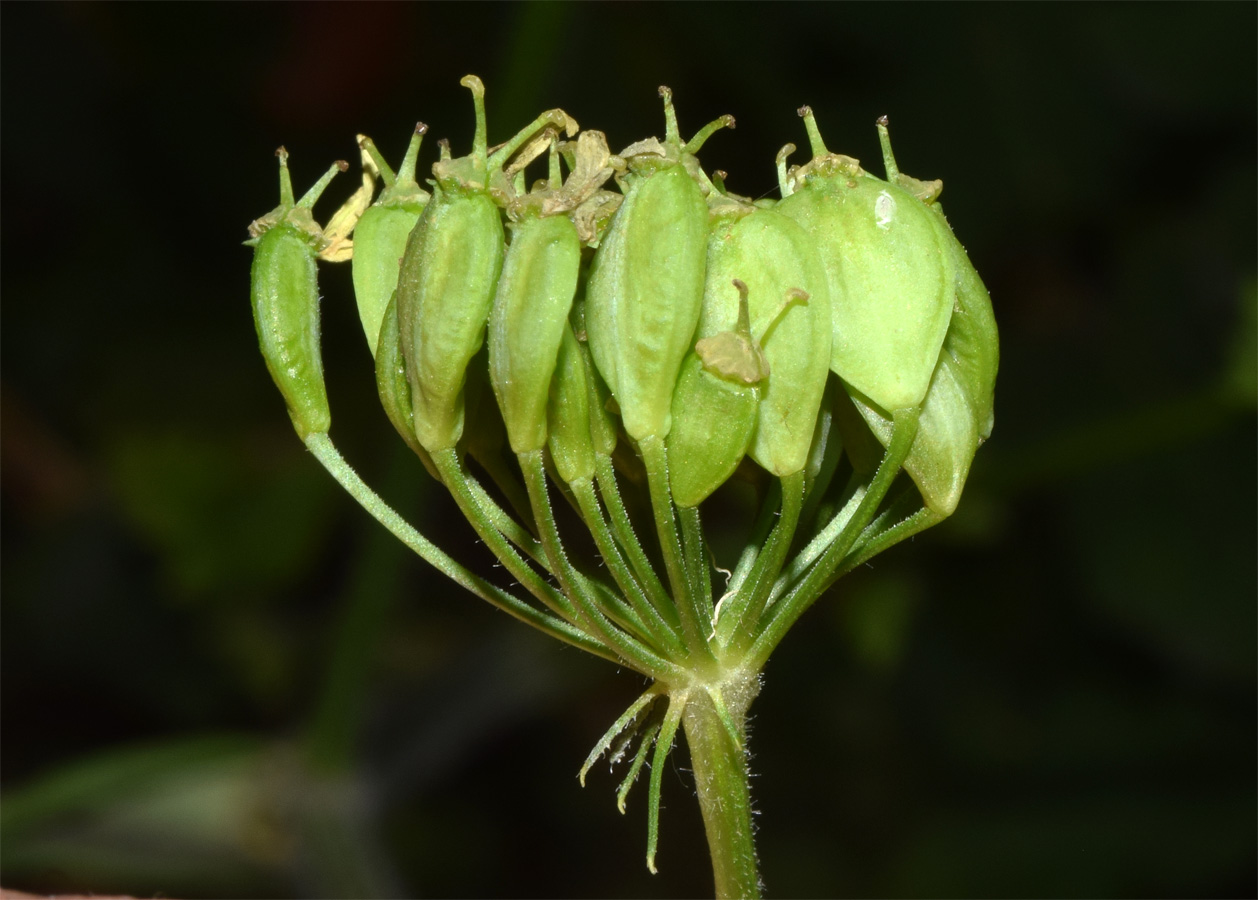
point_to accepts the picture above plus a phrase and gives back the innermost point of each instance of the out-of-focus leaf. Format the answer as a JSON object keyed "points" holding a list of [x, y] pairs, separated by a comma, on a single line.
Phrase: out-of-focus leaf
{"points": [[193, 815]]}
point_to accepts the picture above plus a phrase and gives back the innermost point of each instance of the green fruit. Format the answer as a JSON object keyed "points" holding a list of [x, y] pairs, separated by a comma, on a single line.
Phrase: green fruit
{"points": [[568, 413], [714, 408], [713, 419], [449, 274], [285, 295], [947, 437], [957, 412], [449, 277], [645, 289], [972, 340], [394, 388], [789, 305], [537, 288], [382, 231], [529, 319], [646, 281], [890, 272]]}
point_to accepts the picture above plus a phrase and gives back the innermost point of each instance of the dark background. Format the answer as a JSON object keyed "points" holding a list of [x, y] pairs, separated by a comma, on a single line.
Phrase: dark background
{"points": [[220, 677]]}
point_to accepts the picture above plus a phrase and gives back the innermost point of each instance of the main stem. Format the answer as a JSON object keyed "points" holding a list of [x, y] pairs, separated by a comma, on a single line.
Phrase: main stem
{"points": [[719, 759]]}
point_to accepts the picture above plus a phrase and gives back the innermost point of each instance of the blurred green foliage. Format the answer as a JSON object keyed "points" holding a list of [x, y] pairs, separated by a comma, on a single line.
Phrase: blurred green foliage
{"points": [[221, 678]]}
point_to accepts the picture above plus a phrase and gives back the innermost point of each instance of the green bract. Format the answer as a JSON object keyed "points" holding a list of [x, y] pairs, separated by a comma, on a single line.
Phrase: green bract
{"points": [[815, 350]]}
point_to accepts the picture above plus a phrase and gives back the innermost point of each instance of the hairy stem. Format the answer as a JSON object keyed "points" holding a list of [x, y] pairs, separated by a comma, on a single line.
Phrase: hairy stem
{"points": [[715, 734]]}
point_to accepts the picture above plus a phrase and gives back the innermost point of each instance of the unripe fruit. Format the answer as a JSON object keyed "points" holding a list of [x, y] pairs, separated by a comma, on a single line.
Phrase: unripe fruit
{"points": [[382, 231], [449, 275], [568, 414], [890, 273], [447, 284], [957, 410], [536, 291], [529, 318], [972, 340], [646, 281], [394, 388], [285, 293], [714, 409]]}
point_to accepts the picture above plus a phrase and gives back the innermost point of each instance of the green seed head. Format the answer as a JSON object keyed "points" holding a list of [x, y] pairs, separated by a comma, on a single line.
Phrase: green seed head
{"points": [[815, 348]]}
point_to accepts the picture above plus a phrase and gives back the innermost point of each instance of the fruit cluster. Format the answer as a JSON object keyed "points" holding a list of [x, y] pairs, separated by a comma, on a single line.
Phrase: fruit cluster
{"points": [[712, 322], [660, 339]]}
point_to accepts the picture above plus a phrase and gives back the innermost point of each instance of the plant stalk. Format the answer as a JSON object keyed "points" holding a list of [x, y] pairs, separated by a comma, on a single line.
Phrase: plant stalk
{"points": [[715, 734]]}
